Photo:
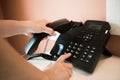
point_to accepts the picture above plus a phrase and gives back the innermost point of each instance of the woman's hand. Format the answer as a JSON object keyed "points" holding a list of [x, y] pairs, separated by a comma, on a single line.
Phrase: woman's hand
{"points": [[60, 70], [40, 26]]}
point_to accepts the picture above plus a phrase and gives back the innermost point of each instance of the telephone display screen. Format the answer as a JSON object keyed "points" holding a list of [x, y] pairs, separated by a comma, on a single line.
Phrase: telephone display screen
{"points": [[95, 27]]}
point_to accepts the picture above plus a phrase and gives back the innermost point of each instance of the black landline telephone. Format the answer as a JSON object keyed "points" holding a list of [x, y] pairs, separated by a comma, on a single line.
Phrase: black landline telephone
{"points": [[85, 41]]}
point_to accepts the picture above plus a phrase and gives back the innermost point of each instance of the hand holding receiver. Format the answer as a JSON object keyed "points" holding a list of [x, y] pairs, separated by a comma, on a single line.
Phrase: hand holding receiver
{"points": [[61, 26]]}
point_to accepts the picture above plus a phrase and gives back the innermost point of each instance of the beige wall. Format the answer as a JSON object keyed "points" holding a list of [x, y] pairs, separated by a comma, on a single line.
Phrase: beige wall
{"points": [[113, 15], [80, 10]]}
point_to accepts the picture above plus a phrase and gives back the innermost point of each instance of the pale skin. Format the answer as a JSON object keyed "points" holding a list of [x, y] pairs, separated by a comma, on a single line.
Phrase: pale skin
{"points": [[15, 67]]}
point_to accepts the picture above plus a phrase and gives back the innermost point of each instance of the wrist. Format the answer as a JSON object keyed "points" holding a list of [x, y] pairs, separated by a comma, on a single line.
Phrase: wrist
{"points": [[27, 27], [48, 74]]}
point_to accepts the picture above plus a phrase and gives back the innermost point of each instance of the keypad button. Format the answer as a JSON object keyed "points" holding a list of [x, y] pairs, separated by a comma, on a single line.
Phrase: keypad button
{"points": [[87, 61], [74, 47], [81, 45], [90, 56], [74, 56], [81, 59], [76, 52], [88, 46], [72, 51], [69, 46], [84, 52], [79, 49], [83, 56], [93, 48], [67, 50], [76, 44], [71, 42], [86, 49], [92, 51]]}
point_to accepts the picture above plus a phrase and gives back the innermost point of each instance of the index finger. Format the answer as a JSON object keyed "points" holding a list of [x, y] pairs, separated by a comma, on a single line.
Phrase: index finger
{"points": [[63, 57]]}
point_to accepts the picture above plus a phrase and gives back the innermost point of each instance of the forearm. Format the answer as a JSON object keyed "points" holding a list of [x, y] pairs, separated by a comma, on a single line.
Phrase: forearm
{"points": [[14, 67], [12, 27]]}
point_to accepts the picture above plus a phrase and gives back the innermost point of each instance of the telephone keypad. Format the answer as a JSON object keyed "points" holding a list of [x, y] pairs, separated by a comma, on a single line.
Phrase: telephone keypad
{"points": [[81, 52]]}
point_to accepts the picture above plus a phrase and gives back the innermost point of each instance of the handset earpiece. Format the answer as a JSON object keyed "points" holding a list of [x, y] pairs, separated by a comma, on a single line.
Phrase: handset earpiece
{"points": [[61, 26]]}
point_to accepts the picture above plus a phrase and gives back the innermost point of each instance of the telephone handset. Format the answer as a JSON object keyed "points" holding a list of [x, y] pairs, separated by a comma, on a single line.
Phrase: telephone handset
{"points": [[86, 43], [61, 26]]}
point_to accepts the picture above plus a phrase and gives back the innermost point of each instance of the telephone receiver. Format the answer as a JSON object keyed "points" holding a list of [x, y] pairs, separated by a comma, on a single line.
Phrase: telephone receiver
{"points": [[61, 26]]}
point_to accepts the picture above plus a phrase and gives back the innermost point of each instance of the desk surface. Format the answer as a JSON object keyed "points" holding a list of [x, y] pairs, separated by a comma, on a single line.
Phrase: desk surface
{"points": [[106, 69]]}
